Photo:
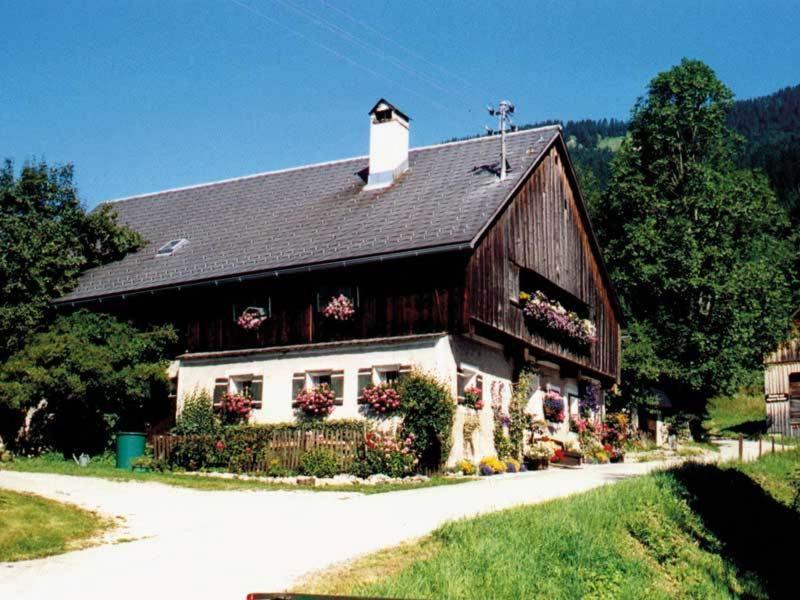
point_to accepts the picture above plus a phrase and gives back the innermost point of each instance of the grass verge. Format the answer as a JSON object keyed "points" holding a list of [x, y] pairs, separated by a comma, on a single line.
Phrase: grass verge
{"points": [[32, 527], [695, 531], [106, 470], [744, 413]]}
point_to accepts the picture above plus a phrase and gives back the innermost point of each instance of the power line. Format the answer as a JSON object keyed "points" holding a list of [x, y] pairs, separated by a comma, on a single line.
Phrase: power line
{"points": [[340, 55], [371, 48], [465, 83]]}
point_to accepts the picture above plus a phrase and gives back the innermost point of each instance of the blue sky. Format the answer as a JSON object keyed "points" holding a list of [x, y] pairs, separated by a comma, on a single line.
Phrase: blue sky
{"points": [[147, 95]]}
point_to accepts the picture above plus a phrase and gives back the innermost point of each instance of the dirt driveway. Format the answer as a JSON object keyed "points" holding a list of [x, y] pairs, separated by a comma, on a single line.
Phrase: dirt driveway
{"points": [[220, 545]]}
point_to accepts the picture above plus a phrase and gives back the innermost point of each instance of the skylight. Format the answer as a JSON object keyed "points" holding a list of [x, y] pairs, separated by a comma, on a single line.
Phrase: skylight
{"points": [[170, 247]]}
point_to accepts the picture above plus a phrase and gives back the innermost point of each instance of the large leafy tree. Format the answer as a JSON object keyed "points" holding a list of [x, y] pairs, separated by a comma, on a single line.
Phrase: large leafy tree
{"points": [[47, 239], [699, 250], [94, 374]]}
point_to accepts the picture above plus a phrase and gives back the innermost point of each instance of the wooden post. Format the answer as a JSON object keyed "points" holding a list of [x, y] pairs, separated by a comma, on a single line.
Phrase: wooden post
{"points": [[759, 447], [773, 444], [741, 447]]}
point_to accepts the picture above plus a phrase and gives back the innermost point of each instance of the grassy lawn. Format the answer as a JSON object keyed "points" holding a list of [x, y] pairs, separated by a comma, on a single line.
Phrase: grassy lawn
{"points": [[696, 531], [744, 412], [106, 470], [31, 526]]}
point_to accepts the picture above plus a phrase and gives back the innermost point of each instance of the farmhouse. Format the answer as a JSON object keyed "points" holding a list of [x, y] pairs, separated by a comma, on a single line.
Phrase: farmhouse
{"points": [[782, 386], [349, 273]]}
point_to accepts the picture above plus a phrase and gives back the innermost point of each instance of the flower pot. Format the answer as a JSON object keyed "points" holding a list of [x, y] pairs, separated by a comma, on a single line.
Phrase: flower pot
{"points": [[572, 459], [537, 464], [618, 459]]}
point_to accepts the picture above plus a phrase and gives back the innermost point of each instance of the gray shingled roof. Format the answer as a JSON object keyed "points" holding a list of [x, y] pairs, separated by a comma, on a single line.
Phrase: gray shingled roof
{"points": [[313, 214]]}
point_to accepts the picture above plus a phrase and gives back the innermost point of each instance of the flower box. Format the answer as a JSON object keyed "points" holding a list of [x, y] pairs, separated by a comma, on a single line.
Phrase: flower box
{"points": [[566, 326], [537, 464]]}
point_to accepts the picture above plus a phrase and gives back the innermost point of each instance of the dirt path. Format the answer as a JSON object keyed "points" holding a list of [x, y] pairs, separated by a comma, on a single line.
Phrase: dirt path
{"points": [[219, 545]]}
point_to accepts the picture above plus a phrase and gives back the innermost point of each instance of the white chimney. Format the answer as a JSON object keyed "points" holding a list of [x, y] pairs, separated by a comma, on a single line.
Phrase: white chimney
{"points": [[388, 145]]}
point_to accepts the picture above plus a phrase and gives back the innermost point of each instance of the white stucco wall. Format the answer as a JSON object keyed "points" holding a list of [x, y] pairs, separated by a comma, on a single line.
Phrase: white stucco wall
{"points": [[441, 356], [431, 354]]}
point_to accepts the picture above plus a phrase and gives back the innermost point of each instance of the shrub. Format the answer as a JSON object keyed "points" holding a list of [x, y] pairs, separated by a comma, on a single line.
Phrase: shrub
{"points": [[319, 462], [193, 452], [465, 467], [387, 455], [197, 416], [512, 465], [427, 408], [492, 464]]}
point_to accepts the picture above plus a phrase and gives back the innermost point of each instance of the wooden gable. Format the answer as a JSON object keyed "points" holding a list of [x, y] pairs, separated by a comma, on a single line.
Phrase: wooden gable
{"points": [[543, 235]]}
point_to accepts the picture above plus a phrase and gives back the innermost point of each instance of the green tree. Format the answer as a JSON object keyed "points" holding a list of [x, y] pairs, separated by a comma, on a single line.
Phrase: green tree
{"points": [[700, 251], [47, 240], [95, 374]]}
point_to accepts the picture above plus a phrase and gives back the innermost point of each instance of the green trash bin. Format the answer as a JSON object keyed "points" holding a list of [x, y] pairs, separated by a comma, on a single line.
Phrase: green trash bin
{"points": [[129, 445]]}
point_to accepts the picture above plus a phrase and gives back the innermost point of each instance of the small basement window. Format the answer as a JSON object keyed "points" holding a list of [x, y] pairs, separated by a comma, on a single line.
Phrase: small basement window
{"points": [[170, 247]]}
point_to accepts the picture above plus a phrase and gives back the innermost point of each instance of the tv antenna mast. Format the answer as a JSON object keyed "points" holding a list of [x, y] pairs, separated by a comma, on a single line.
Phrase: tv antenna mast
{"points": [[504, 123]]}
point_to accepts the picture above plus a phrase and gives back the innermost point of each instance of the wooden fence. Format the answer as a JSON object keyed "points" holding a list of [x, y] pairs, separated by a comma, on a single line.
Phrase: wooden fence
{"points": [[287, 447]]}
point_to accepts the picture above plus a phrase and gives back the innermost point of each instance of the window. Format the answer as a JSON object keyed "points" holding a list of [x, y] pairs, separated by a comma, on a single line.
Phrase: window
{"points": [[467, 376], [170, 247], [251, 386], [261, 306], [530, 282], [327, 292], [312, 379], [388, 374], [794, 385]]}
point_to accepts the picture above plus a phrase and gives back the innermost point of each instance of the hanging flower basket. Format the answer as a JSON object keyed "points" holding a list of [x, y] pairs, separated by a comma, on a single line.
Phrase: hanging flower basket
{"points": [[553, 407], [340, 308], [473, 397], [552, 316], [251, 318], [317, 401], [382, 398]]}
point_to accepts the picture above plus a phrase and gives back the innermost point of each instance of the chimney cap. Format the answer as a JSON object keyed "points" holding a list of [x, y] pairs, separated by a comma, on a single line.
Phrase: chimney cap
{"points": [[384, 104]]}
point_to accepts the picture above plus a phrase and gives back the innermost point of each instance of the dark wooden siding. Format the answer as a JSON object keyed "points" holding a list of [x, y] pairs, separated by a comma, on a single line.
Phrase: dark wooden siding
{"points": [[543, 230], [407, 297]]}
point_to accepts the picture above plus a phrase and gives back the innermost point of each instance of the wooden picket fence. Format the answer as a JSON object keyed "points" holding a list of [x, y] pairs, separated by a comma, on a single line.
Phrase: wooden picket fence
{"points": [[287, 447]]}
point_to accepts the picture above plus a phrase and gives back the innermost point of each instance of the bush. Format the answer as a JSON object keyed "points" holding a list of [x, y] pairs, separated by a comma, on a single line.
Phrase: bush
{"points": [[465, 467], [197, 416], [512, 465], [491, 465], [387, 455], [319, 462], [427, 407], [193, 453]]}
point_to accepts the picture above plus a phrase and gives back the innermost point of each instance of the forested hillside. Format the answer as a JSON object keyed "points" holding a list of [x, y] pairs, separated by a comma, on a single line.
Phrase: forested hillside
{"points": [[769, 124]]}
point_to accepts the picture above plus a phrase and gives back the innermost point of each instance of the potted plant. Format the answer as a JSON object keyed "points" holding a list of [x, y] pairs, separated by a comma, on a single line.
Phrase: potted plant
{"points": [[537, 456], [251, 318], [142, 464], [382, 398], [339, 308], [473, 397], [553, 407], [317, 401]]}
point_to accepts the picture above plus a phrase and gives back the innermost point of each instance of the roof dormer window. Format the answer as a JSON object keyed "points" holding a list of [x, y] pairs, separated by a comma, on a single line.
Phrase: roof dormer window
{"points": [[170, 247]]}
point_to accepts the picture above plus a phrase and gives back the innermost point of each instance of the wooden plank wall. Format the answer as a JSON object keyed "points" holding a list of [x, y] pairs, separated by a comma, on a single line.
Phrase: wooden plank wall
{"points": [[543, 230], [419, 296], [776, 377]]}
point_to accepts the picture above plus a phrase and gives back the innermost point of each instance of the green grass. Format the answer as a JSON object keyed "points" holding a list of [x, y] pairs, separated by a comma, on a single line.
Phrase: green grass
{"points": [[105, 469], [696, 531], [31, 526], [744, 413]]}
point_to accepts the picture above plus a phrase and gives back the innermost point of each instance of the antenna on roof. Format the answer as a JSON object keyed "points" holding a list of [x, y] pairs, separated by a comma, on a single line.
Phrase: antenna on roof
{"points": [[503, 113]]}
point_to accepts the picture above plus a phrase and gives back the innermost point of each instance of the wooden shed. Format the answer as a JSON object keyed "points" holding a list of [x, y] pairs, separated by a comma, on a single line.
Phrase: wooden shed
{"points": [[782, 387]]}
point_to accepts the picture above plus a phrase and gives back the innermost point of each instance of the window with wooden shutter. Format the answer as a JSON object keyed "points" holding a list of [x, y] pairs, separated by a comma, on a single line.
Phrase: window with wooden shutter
{"points": [[462, 381], [298, 385], [220, 389], [337, 385], [257, 392], [364, 381]]}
